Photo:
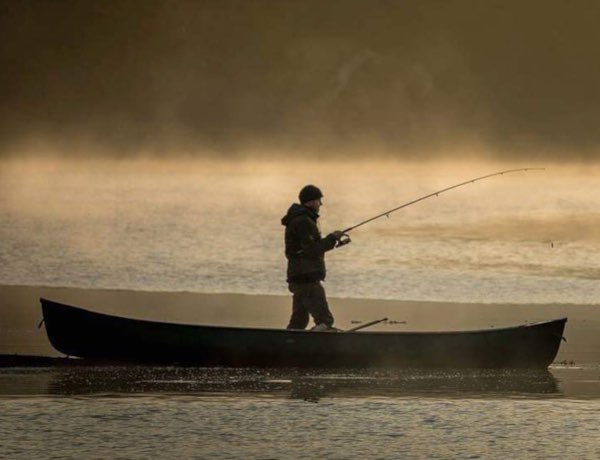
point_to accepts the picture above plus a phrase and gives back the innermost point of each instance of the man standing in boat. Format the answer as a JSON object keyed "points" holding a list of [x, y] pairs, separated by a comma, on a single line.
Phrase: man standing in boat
{"points": [[305, 251]]}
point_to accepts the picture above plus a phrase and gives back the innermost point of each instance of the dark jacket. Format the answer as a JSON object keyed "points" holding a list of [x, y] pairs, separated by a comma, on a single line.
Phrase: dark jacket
{"points": [[304, 247]]}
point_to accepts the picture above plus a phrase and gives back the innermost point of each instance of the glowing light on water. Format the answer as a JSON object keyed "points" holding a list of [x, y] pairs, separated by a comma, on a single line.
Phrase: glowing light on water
{"points": [[214, 226]]}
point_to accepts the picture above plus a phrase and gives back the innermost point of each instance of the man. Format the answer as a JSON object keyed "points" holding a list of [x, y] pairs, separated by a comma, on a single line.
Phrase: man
{"points": [[305, 250]]}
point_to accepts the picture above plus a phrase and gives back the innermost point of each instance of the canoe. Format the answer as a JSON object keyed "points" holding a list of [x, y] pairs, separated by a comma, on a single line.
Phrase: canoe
{"points": [[82, 333]]}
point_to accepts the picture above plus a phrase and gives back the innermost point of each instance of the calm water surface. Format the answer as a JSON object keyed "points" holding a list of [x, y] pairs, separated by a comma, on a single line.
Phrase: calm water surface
{"points": [[138, 412], [215, 227]]}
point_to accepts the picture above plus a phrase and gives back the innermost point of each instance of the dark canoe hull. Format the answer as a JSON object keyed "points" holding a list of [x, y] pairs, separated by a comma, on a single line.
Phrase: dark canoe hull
{"points": [[85, 334]]}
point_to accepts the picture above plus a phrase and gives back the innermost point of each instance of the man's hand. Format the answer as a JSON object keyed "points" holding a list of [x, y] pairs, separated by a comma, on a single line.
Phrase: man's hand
{"points": [[338, 234], [341, 238]]}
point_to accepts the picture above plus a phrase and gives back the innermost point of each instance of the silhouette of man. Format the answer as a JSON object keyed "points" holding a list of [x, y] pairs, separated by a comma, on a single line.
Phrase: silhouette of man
{"points": [[305, 251]]}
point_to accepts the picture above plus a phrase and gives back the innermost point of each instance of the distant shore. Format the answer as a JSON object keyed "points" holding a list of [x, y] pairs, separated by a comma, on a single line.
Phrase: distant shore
{"points": [[20, 315]]}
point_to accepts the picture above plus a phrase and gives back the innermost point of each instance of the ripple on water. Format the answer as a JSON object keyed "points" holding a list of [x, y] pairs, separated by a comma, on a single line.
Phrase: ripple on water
{"points": [[137, 412], [250, 427]]}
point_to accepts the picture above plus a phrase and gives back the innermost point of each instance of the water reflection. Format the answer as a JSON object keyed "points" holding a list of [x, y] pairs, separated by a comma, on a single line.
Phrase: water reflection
{"points": [[426, 383], [287, 383]]}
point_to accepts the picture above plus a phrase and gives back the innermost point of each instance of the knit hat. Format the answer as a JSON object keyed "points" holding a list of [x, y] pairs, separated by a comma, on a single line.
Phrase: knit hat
{"points": [[309, 193]]}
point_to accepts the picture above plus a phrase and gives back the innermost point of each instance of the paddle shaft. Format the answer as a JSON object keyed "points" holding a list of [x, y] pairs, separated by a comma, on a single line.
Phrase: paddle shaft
{"points": [[387, 213], [362, 326]]}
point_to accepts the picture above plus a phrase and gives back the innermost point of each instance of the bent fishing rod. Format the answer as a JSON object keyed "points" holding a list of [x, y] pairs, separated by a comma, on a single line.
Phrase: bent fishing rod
{"points": [[346, 238]]}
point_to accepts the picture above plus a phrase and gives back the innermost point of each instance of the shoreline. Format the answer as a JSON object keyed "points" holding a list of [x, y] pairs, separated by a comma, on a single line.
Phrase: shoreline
{"points": [[20, 315]]}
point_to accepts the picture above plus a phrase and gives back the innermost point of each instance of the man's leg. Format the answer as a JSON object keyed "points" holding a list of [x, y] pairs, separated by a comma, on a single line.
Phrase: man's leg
{"points": [[299, 319], [317, 306]]}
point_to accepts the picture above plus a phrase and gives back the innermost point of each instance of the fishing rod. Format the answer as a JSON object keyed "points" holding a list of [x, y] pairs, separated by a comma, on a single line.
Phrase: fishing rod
{"points": [[346, 239]]}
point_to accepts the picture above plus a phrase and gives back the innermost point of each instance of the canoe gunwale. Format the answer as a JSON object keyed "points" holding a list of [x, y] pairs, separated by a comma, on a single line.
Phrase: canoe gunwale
{"points": [[297, 331]]}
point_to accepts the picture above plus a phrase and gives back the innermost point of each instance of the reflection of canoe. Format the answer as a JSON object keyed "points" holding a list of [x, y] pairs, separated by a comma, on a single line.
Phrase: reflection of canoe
{"points": [[78, 332], [306, 384]]}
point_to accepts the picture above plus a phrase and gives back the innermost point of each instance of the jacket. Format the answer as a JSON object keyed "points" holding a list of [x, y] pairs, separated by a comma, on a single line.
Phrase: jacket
{"points": [[304, 247]]}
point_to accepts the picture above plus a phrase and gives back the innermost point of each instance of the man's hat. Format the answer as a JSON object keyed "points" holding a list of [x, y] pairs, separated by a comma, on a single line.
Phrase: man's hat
{"points": [[309, 193]]}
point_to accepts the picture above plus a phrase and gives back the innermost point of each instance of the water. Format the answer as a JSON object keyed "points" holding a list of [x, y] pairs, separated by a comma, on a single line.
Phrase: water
{"points": [[214, 227], [137, 412], [255, 428]]}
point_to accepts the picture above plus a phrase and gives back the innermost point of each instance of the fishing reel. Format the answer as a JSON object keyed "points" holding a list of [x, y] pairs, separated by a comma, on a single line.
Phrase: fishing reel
{"points": [[343, 241]]}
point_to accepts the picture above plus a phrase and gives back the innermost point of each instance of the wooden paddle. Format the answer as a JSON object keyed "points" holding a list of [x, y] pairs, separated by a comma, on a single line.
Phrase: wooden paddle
{"points": [[362, 326]]}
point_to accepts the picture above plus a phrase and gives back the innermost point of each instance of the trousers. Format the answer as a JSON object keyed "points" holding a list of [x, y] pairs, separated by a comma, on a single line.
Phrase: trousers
{"points": [[309, 298]]}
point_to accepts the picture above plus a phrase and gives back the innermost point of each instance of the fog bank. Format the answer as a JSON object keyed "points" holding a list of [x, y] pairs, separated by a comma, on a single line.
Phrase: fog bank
{"points": [[406, 78]]}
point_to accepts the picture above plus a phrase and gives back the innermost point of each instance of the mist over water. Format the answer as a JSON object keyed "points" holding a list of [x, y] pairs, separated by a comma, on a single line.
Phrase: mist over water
{"points": [[155, 145], [411, 79], [210, 226]]}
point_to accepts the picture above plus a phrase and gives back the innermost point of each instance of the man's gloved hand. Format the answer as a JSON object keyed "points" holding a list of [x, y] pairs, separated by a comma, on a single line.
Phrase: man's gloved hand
{"points": [[338, 234], [341, 238]]}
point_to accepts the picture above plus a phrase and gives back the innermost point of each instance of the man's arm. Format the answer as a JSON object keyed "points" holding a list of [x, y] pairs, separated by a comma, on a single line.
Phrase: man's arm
{"points": [[310, 242]]}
